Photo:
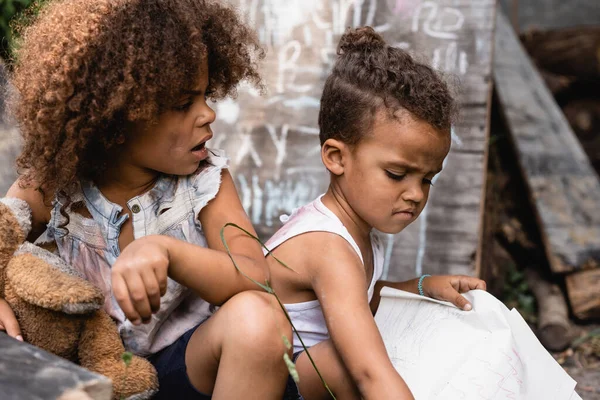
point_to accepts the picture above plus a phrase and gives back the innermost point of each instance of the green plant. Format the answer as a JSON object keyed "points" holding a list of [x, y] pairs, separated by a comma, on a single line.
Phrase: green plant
{"points": [[8, 9], [15, 14], [126, 357], [516, 293]]}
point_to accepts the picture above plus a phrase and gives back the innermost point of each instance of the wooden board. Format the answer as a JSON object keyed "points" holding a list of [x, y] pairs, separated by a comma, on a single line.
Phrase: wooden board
{"points": [[583, 288], [563, 186], [26, 372], [273, 140]]}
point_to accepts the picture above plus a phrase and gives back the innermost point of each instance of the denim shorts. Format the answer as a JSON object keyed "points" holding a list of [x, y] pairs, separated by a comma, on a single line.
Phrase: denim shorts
{"points": [[173, 379]]}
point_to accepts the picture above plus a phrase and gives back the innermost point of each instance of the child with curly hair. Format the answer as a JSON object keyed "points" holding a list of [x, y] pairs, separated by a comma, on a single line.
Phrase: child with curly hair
{"points": [[111, 99], [384, 124]]}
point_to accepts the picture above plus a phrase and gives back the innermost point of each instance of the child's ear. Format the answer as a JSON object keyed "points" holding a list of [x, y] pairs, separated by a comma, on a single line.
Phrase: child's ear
{"points": [[333, 154]]}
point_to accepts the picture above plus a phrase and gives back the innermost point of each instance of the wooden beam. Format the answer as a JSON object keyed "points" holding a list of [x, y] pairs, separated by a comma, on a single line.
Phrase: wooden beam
{"points": [[563, 186], [583, 288], [28, 372]]}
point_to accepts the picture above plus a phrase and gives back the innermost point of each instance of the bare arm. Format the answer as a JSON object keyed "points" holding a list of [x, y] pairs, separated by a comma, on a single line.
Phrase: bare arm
{"points": [[139, 274], [407, 286], [444, 287], [218, 279], [339, 281]]}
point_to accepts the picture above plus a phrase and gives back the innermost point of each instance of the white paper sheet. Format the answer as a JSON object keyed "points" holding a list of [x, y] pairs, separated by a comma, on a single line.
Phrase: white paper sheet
{"points": [[487, 353]]}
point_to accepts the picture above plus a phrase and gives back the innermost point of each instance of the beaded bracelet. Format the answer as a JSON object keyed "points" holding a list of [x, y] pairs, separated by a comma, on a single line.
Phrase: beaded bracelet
{"points": [[420, 285]]}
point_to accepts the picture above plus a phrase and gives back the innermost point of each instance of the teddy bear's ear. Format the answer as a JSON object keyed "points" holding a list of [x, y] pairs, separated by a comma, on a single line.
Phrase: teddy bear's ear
{"points": [[15, 223], [19, 211], [36, 277]]}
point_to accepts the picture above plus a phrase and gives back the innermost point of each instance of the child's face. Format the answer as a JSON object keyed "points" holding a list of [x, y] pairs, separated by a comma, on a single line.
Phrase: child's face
{"points": [[388, 175], [175, 144]]}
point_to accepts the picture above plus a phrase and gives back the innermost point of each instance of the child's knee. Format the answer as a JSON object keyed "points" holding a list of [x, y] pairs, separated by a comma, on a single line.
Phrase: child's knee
{"points": [[257, 320]]}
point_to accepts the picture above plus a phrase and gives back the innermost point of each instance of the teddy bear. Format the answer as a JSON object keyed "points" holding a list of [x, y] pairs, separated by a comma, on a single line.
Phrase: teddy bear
{"points": [[61, 312]]}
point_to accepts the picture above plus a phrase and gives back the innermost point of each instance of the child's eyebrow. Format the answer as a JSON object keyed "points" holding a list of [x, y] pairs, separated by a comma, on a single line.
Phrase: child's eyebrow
{"points": [[193, 92], [411, 167]]}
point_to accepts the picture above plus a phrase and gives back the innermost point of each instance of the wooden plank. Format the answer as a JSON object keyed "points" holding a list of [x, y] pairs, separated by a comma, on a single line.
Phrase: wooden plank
{"points": [[273, 144], [27, 372], [563, 186], [571, 52], [554, 14], [583, 288]]}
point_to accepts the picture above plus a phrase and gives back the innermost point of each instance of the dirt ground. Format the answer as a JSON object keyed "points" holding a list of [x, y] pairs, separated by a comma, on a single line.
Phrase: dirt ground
{"points": [[588, 382], [582, 362]]}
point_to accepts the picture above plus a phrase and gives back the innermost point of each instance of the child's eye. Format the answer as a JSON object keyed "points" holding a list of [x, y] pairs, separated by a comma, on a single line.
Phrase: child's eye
{"points": [[394, 176], [428, 182], [184, 107]]}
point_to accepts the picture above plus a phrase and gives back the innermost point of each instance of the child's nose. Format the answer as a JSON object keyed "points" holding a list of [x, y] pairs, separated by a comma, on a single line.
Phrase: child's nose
{"points": [[207, 115], [414, 193]]}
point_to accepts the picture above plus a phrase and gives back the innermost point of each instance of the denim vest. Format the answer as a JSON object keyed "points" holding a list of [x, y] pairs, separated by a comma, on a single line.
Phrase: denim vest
{"points": [[91, 246]]}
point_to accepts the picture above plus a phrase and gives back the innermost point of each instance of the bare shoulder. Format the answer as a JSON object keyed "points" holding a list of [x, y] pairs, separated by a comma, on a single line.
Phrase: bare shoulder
{"points": [[319, 250], [314, 259]]}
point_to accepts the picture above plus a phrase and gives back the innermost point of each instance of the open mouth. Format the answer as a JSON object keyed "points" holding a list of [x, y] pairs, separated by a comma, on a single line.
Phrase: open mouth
{"points": [[199, 147]]}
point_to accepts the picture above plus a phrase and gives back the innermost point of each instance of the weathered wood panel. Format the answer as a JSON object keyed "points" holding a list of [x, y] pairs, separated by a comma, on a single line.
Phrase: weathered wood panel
{"points": [[273, 140], [26, 372], [563, 186]]}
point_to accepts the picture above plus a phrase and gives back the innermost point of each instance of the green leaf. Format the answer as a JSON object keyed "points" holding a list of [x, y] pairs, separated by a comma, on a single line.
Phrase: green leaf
{"points": [[291, 368], [127, 357], [286, 342]]}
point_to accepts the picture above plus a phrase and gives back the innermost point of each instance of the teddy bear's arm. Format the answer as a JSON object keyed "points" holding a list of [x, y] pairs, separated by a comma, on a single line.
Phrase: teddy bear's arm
{"points": [[37, 281]]}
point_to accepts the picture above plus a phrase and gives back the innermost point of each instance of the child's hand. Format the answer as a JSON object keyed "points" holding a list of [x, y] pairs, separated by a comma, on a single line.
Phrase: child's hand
{"points": [[8, 321], [139, 278], [449, 288]]}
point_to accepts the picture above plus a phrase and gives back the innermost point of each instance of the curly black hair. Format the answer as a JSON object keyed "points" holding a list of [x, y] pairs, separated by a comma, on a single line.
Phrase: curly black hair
{"points": [[86, 68], [369, 76]]}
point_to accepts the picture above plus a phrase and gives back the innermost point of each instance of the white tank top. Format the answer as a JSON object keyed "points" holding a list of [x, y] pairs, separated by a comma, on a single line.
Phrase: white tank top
{"points": [[308, 316]]}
